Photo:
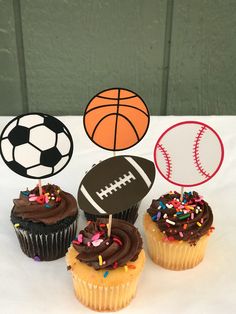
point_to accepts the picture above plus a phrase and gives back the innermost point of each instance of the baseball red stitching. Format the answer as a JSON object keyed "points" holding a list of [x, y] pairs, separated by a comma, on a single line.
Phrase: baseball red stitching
{"points": [[196, 156], [167, 160]]}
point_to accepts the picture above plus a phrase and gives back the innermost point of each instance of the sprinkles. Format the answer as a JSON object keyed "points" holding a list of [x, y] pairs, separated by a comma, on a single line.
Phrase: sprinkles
{"points": [[16, 225], [184, 216], [100, 260], [178, 220], [106, 274]]}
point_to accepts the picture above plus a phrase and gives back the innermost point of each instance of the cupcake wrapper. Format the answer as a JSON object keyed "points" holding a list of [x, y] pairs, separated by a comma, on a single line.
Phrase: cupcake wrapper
{"points": [[176, 255], [46, 247], [130, 214], [104, 298]]}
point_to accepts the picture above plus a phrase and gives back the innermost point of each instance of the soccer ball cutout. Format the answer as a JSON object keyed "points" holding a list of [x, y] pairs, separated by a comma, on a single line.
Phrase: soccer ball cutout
{"points": [[189, 153], [36, 145]]}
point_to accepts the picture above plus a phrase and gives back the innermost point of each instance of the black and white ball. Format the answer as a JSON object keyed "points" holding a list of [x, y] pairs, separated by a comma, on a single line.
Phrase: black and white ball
{"points": [[36, 145], [116, 184]]}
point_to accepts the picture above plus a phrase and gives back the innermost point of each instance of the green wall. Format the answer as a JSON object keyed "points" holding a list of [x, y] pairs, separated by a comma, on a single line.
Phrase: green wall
{"points": [[179, 55]]}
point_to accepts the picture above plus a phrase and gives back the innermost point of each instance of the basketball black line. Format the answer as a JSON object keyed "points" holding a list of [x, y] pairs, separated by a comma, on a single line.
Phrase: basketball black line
{"points": [[117, 114], [112, 114], [121, 105], [116, 98]]}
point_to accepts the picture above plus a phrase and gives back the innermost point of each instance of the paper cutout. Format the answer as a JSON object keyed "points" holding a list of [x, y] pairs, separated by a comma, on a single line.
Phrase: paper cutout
{"points": [[189, 153], [36, 145], [121, 182], [116, 119]]}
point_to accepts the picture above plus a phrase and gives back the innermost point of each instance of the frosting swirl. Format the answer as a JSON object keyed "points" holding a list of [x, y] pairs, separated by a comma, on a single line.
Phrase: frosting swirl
{"points": [[98, 250], [49, 208], [188, 220]]}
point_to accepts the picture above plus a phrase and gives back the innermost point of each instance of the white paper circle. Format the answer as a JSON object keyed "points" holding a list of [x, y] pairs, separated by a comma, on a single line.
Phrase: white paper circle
{"points": [[36, 145], [189, 153]]}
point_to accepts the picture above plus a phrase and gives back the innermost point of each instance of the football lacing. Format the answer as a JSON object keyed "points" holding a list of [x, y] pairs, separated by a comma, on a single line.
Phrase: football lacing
{"points": [[119, 183]]}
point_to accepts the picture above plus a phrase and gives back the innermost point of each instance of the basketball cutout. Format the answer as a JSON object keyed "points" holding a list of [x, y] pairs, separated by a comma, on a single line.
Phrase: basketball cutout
{"points": [[116, 119], [189, 153]]}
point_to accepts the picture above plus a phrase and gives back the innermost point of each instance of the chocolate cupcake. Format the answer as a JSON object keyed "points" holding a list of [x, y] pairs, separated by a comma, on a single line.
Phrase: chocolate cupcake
{"points": [[45, 224], [130, 214], [105, 270], [177, 231]]}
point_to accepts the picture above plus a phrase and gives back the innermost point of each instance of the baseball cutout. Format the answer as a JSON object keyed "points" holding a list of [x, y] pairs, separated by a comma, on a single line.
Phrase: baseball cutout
{"points": [[189, 153]]}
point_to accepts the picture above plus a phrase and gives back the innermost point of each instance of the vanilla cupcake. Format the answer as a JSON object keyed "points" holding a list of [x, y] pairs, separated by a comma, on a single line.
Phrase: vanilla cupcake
{"points": [[177, 232], [105, 270]]}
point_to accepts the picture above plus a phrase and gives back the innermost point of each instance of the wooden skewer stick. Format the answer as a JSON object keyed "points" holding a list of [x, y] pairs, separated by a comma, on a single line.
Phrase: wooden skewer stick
{"points": [[110, 216], [40, 187], [109, 226], [181, 193]]}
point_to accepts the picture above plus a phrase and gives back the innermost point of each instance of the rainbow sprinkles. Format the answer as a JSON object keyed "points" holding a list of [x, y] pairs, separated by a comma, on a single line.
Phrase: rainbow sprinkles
{"points": [[188, 220]]}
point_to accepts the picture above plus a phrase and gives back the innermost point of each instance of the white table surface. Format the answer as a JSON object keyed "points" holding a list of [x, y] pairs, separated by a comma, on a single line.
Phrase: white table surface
{"points": [[33, 287]]}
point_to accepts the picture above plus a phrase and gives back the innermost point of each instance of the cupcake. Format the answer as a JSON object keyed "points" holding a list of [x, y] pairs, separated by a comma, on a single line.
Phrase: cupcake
{"points": [[45, 224], [105, 270], [130, 214], [177, 232]]}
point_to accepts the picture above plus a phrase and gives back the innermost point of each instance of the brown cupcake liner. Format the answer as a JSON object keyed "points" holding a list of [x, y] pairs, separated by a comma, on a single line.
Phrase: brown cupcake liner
{"points": [[46, 247]]}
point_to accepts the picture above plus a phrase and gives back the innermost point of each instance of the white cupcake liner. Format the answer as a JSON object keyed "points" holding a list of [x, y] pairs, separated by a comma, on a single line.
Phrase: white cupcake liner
{"points": [[104, 298]]}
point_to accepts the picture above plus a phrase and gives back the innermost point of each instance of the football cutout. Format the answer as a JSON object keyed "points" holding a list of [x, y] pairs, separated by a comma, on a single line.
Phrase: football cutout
{"points": [[36, 145], [122, 182], [116, 119]]}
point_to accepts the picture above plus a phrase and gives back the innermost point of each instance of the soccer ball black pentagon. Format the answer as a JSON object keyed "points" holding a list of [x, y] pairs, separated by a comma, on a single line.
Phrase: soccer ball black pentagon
{"points": [[36, 145]]}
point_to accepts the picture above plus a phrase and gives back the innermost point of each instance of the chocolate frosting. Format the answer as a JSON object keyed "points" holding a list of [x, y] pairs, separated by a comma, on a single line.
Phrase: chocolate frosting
{"points": [[53, 206], [98, 250], [188, 220]]}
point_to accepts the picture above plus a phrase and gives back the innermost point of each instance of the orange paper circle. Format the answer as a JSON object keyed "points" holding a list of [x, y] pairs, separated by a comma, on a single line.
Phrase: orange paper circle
{"points": [[116, 119]]}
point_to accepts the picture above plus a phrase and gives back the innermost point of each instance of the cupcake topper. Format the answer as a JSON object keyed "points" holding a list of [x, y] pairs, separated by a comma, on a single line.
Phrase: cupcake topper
{"points": [[116, 119], [36, 145], [189, 153], [121, 182]]}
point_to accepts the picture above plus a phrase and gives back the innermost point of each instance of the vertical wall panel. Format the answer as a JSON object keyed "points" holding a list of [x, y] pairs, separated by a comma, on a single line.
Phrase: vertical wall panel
{"points": [[10, 87], [74, 49], [203, 56]]}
